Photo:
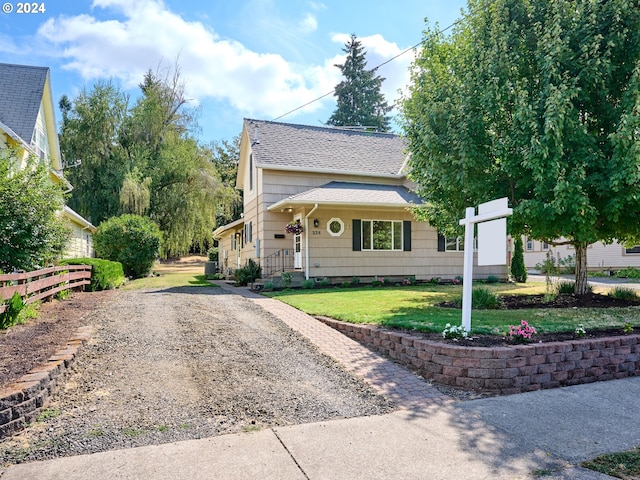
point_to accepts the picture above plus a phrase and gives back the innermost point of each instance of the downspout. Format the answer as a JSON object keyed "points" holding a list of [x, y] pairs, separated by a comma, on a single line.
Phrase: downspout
{"points": [[306, 241]]}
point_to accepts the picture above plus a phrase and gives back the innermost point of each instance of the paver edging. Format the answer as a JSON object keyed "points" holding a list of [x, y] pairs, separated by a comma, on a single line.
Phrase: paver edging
{"points": [[22, 401], [503, 370]]}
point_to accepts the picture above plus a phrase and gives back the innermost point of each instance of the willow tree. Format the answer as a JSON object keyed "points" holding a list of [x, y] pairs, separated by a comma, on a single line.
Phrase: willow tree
{"points": [[538, 102]]}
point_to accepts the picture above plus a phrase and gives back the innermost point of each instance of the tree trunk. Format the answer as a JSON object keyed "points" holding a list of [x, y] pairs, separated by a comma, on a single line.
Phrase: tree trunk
{"points": [[582, 286]]}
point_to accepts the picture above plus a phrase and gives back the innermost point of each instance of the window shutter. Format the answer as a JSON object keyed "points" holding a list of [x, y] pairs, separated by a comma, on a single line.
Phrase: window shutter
{"points": [[250, 233], [406, 235], [357, 235], [441, 243]]}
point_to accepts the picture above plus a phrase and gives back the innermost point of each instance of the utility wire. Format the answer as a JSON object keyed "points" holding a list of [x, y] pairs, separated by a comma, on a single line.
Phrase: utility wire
{"points": [[373, 69]]}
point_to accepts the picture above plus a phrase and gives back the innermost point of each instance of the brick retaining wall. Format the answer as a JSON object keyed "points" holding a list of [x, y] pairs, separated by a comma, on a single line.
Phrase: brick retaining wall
{"points": [[504, 370], [22, 401]]}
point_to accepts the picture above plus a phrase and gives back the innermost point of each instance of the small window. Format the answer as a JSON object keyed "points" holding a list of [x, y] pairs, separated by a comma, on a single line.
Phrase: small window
{"points": [[454, 244], [335, 227], [545, 246], [529, 245], [635, 250]]}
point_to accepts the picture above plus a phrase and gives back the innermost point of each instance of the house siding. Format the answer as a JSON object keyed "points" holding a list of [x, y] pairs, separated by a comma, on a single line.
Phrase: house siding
{"points": [[599, 256]]}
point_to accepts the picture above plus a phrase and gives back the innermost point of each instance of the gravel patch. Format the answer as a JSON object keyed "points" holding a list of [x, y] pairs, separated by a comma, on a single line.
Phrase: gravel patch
{"points": [[187, 363]]}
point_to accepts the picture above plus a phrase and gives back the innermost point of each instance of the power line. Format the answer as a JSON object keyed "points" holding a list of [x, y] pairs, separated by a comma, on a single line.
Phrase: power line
{"points": [[373, 69]]}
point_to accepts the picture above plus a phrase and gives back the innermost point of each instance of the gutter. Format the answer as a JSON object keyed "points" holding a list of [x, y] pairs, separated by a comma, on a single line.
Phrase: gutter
{"points": [[306, 241]]}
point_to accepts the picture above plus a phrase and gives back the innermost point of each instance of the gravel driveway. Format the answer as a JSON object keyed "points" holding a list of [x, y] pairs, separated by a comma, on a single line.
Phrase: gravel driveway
{"points": [[187, 363]]}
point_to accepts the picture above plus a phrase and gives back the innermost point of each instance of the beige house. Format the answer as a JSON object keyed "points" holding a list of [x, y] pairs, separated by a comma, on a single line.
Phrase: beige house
{"points": [[600, 257], [348, 192], [27, 121]]}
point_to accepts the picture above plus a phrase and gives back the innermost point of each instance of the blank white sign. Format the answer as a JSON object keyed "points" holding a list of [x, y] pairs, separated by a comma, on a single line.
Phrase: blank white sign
{"points": [[492, 235]]}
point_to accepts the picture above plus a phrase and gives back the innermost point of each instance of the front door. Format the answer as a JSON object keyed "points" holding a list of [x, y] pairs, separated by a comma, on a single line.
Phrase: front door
{"points": [[297, 248]]}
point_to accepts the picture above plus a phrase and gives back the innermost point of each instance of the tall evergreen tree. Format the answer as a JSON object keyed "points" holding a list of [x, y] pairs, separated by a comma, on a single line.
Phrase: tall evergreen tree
{"points": [[360, 102]]}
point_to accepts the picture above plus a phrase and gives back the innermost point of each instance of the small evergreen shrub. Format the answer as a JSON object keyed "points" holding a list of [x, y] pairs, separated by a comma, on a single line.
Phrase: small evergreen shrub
{"points": [[249, 273], [325, 282], [132, 240], [492, 279], [355, 280], [518, 269], [623, 293], [566, 288], [105, 274], [269, 286]]}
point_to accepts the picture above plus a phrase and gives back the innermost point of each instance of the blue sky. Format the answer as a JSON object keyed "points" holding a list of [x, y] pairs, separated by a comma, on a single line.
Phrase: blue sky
{"points": [[241, 58]]}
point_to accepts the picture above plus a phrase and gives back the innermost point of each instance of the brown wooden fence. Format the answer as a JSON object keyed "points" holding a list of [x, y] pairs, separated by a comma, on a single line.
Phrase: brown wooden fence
{"points": [[41, 284]]}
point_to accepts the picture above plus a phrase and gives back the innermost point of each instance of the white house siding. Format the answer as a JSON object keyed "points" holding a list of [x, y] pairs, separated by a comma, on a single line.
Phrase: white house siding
{"points": [[599, 256]]}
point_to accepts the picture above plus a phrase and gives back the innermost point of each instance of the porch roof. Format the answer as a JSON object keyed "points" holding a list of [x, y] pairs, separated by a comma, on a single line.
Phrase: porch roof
{"points": [[352, 194], [217, 233]]}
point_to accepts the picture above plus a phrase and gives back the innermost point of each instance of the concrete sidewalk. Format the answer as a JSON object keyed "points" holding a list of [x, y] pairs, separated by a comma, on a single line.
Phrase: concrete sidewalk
{"points": [[430, 437], [516, 437]]}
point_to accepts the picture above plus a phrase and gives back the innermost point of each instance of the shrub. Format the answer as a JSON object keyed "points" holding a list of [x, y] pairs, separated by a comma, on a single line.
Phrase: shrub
{"points": [[31, 229], [14, 306], [269, 286], [483, 298], [628, 272], [566, 288], [286, 279], [308, 284], [623, 293], [492, 279], [249, 273], [132, 240], [105, 274], [212, 254], [325, 282], [518, 269], [355, 280]]}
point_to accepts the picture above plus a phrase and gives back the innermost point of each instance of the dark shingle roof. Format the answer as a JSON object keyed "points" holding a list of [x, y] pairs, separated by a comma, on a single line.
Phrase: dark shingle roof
{"points": [[21, 91], [358, 193], [304, 147]]}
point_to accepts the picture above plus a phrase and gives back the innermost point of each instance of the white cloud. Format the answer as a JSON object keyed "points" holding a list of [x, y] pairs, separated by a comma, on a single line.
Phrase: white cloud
{"points": [[309, 24], [149, 35]]}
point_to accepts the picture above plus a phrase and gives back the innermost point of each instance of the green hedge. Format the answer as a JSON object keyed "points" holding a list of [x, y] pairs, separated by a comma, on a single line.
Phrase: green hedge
{"points": [[105, 274]]}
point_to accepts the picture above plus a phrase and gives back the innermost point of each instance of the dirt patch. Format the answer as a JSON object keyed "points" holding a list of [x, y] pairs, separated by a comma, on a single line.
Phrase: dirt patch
{"points": [[23, 347]]}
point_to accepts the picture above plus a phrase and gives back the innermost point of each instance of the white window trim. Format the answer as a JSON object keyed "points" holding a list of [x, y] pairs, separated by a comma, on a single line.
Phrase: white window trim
{"points": [[396, 249]]}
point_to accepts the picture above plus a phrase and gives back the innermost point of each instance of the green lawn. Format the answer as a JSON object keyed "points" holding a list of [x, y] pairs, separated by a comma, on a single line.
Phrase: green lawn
{"points": [[414, 308], [169, 280]]}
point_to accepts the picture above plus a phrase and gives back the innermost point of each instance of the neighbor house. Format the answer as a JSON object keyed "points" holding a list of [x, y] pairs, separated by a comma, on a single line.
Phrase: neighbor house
{"points": [[600, 257], [27, 121], [332, 203]]}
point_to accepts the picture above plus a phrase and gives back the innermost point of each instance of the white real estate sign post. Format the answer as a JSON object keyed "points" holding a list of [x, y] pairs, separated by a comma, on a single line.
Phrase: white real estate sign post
{"points": [[492, 245]]}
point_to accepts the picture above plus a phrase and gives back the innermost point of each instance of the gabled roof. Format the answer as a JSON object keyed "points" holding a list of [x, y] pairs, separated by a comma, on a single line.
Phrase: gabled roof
{"points": [[21, 92], [352, 194], [293, 147]]}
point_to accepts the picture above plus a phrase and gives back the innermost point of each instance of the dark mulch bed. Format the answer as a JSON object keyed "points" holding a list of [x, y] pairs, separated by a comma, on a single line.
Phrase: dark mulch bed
{"points": [[590, 300]]}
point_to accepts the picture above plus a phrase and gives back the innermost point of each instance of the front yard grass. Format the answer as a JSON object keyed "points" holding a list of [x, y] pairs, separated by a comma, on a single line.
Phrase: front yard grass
{"points": [[414, 308], [624, 465]]}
